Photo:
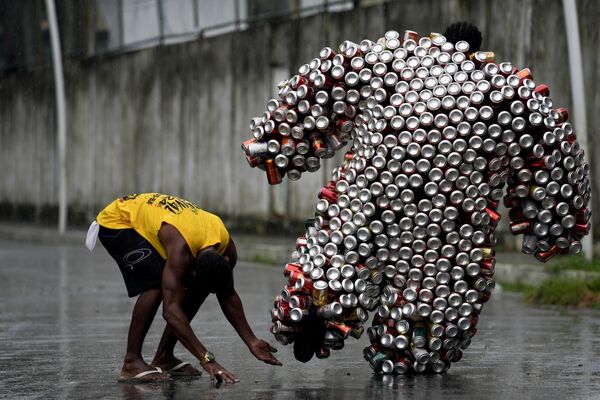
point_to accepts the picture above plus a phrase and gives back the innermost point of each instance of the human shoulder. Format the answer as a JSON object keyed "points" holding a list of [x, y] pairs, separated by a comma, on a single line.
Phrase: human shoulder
{"points": [[174, 243]]}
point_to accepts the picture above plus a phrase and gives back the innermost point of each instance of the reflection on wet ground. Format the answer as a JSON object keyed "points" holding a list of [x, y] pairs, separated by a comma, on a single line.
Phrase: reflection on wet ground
{"points": [[64, 316]]}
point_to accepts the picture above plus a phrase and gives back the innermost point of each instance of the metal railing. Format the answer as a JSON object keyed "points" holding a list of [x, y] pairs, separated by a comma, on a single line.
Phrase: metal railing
{"points": [[238, 22]]}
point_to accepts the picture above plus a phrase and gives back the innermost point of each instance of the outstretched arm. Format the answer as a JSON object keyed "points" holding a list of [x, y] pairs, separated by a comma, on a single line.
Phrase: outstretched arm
{"points": [[234, 311], [179, 258], [549, 189], [314, 112]]}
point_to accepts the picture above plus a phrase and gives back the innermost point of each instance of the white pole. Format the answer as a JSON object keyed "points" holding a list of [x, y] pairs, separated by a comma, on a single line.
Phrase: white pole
{"points": [[60, 116], [578, 92]]}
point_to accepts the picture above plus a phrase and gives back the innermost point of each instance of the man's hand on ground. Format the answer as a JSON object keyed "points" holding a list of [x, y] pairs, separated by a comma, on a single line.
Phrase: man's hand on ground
{"points": [[218, 373], [263, 351]]}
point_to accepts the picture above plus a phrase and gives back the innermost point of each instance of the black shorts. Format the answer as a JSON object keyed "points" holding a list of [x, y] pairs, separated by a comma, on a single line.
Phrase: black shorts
{"points": [[140, 264]]}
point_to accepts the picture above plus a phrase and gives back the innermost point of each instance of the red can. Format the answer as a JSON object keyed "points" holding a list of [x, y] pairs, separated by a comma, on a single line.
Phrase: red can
{"points": [[582, 229], [492, 204], [328, 194], [488, 268], [563, 114], [274, 314], [544, 256], [542, 89], [339, 327], [246, 143], [294, 276], [253, 161], [519, 227], [273, 173], [299, 80], [323, 81], [488, 264], [344, 124], [301, 301], [288, 146], [525, 73], [473, 330], [583, 216], [362, 271], [484, 297], [402, 365], [326, 53], [410, 35], [494, 216], [536, 163], [284, 311], [291, 267], [288, 292], [304, 284], [318, 146]]}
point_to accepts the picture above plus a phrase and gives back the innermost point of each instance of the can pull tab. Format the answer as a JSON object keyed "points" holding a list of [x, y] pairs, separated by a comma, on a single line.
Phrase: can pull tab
{"points": [[92, 236]]}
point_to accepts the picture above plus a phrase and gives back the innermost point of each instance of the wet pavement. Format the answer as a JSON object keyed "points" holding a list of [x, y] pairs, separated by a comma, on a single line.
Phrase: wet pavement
{"points": [[64, 316]]}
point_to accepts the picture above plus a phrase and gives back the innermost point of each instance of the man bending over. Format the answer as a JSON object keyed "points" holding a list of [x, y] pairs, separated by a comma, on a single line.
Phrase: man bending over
{"points": [[171, 251]]}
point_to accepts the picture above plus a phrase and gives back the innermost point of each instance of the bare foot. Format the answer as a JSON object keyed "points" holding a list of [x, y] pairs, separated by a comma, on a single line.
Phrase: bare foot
{"points": [[168, 363], [131, 370]]}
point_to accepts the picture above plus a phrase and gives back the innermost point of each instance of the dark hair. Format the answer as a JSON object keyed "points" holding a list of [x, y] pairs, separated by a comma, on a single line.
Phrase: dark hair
{"points": [[212, 271], [464, 31]]}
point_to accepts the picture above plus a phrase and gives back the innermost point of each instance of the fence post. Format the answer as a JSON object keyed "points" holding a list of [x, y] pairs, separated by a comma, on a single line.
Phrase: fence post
{"points": [[578, 93], [195, 8], [60, 116], [121, 27], [161, 21], [236, 8]]}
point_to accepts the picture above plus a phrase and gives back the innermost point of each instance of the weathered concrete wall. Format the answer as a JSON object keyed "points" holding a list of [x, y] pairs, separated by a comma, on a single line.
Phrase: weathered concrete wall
{"points": [[171, 118]]}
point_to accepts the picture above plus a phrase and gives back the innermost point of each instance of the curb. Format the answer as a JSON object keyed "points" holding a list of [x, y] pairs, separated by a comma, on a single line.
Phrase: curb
{"points": [[275, 251]]}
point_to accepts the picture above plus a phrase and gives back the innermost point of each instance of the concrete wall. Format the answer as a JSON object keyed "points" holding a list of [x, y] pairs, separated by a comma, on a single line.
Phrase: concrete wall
{"points": [[171, 118]]}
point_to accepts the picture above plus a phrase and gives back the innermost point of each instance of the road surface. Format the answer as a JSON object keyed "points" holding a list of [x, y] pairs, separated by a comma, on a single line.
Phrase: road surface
{"points": [[64, 315]]}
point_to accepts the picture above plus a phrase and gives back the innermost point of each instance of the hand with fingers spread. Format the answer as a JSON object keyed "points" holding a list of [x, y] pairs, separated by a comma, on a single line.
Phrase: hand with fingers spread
{"points": [[263, 351], [219, 374]]}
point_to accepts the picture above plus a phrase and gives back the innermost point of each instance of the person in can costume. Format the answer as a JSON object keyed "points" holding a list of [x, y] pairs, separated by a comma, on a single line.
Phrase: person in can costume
{"points": [[405, 227]]}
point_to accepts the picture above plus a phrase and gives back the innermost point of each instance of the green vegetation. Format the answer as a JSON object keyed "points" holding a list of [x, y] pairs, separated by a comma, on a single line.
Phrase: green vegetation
{"points": [[575, 262], [566, 292], [263, 259], [560, 292], [517, 287]]}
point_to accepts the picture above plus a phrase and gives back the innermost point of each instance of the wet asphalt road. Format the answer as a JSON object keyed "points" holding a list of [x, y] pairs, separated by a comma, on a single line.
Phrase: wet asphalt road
{"points": [[64, 316]]}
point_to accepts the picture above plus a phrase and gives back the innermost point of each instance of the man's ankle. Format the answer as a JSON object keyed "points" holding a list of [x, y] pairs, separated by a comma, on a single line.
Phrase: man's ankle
{"points": [[133, 358], [163, 356]]}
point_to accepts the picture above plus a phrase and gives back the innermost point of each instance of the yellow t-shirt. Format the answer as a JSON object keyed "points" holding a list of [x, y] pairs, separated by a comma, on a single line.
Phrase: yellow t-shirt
{"points": [[146, 213]]}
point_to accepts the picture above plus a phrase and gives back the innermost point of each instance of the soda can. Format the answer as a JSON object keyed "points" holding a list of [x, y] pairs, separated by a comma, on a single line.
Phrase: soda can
{"points": [[299, 302], [296, 314], [274, 176], [420, 355], [320, 293], [330, 311]]}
